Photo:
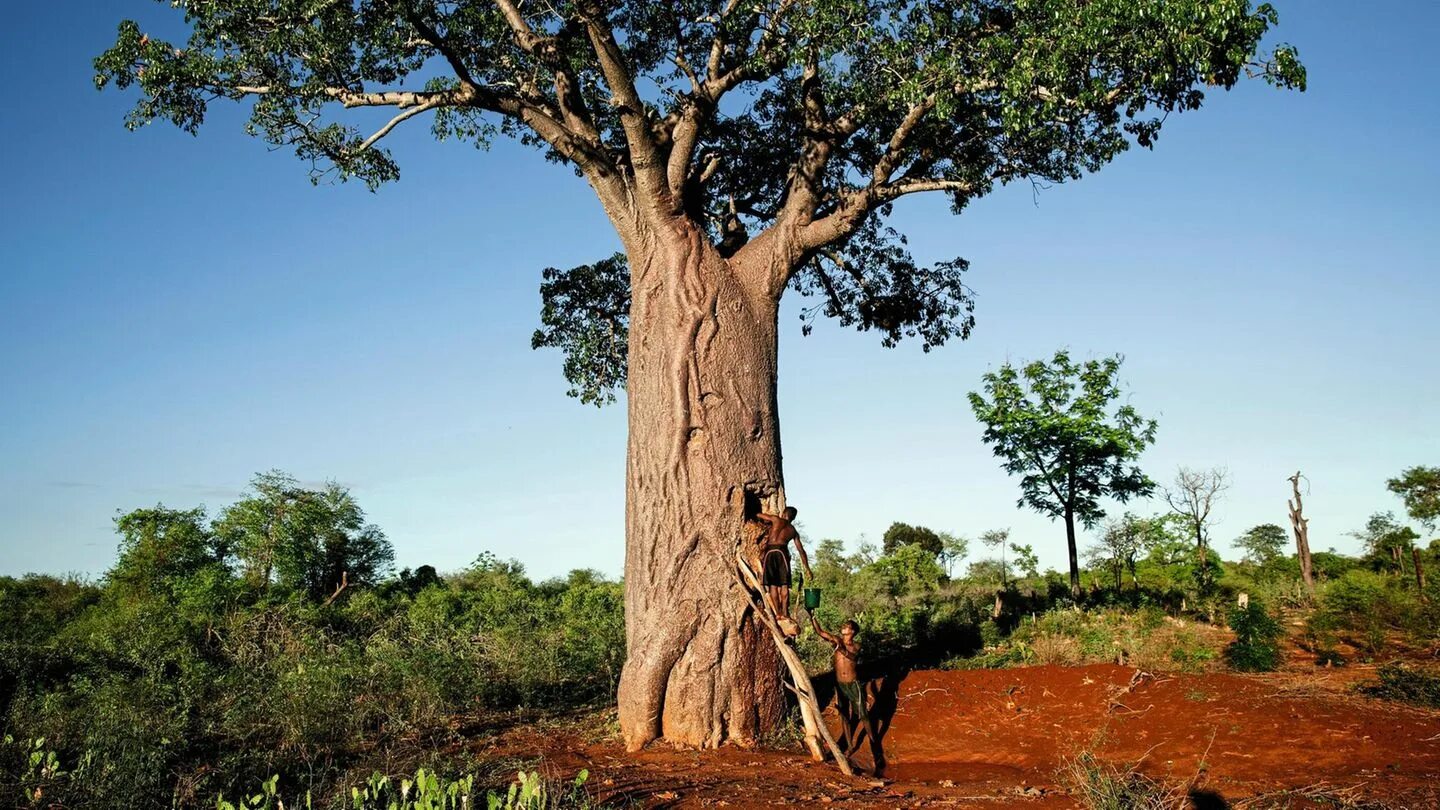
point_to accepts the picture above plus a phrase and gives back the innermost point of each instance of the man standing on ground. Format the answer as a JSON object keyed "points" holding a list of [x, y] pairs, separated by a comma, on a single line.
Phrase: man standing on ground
{"points": [[850, 692], [775, 563]]}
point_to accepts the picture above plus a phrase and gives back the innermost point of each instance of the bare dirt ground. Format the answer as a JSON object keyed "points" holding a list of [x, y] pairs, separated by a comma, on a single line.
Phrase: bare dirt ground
{"points": [[1001, 738]]}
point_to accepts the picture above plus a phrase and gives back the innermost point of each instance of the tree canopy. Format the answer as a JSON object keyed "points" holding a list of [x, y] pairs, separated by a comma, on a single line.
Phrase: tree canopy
{"points": [[774, 122], [308, 540], [903, 534], [159, 546], [1263, 544], [1419, 488], [1387, 542]]}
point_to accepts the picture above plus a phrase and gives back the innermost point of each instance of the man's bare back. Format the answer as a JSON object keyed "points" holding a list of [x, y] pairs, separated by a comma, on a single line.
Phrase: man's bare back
{"points": [[775, 563]]}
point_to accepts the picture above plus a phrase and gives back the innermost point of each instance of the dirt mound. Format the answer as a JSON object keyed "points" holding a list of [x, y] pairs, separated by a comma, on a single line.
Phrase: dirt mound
{"points": [[1235, 735]]}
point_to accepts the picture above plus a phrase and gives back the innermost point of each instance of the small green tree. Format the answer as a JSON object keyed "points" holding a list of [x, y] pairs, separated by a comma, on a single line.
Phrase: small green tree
{"points": [[903, 534], [1263, 544], [1387, 542], [953, 549], [159, 546], [1026, 561], [1256, 647], [1419, 488], [1053, 424], [305, 540]]}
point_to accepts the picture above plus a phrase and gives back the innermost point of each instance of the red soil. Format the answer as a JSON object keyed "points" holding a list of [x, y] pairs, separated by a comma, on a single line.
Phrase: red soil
{"points": [[1000, 738]]}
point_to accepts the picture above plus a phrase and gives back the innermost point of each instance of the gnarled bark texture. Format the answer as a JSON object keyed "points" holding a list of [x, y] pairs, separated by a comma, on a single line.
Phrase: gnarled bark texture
{"points": [[704, 432]]}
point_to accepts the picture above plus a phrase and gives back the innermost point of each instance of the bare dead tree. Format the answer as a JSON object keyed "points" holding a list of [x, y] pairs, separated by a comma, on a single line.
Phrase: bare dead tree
{"points": [[1193, 496], [1301, 526]]}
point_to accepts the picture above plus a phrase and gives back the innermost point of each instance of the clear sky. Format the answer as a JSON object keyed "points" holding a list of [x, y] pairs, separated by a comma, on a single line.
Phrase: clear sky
{"points": [[178, 313]]}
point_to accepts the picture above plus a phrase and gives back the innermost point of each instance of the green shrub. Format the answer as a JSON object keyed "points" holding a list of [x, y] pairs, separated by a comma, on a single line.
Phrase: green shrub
{"points": [[1255, 648], [1405, 685], [1365, 608], [430, 791]]}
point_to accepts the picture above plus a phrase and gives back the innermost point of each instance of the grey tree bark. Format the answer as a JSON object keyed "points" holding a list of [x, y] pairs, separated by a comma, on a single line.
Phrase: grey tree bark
{"points": [[1302, 535]]}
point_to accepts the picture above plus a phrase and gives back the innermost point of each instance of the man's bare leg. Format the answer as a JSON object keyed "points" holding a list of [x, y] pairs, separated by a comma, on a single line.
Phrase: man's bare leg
{"points": [[876, 753], [780, 600]]}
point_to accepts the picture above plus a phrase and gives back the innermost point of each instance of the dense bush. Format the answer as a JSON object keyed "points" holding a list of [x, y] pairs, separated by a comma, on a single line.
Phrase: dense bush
{"points": [[148, 695], [1370, 610], [216, 655], [1406, 685], [1256, 647]]}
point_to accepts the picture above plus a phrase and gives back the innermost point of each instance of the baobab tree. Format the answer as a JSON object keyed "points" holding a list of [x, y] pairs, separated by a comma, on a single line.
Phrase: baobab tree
{"points": [[740, 148]]}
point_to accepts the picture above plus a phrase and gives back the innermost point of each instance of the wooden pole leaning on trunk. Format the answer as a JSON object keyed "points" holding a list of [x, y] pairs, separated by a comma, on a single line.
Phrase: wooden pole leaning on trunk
{"points": [[1302, 536], [815, 728]]}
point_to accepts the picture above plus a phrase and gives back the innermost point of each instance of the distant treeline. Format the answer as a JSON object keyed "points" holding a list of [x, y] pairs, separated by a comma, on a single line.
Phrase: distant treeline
{"points": [[275, 638]]}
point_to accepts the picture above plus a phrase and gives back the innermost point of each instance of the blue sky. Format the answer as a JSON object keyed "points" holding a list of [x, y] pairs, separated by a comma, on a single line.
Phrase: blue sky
{"points": [[178, 313]]}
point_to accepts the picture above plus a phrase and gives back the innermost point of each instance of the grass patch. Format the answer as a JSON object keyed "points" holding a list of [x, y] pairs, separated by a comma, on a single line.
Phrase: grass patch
{"points": [[1099, 785]]}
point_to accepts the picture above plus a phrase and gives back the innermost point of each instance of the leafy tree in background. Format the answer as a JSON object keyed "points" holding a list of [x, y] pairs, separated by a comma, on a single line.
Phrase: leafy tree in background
{"points": [[1123, 542], [1419, 488], [159, 546], [306, 540], [1026, 561], [953, 549], [1055, 426], [1263, 544], [740, 150], [1387, 542], [998, 539], [903, 534]]}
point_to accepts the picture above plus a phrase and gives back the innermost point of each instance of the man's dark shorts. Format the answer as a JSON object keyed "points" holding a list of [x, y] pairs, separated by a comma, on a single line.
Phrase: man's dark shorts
{"points": [[775, 568], [852, 698]]}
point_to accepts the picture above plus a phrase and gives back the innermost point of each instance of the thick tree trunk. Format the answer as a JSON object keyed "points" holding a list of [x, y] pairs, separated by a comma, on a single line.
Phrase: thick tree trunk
{"points": [[1074, 555], [704, 450]]}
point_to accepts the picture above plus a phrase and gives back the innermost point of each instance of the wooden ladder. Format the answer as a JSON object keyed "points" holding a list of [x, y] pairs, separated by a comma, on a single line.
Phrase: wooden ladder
{"points": [[815, 728]]}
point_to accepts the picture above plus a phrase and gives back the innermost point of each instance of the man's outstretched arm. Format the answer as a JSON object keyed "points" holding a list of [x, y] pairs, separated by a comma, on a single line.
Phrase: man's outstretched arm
{"points": [[820, 631]]}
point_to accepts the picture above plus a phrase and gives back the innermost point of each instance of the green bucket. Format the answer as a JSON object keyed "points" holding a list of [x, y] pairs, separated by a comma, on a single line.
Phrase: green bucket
{"points": [[812, 598]]}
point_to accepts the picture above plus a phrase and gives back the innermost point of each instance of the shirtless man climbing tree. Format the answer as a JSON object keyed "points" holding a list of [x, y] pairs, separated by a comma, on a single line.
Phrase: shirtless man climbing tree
{"points": [[850, 692], [775, 563]]}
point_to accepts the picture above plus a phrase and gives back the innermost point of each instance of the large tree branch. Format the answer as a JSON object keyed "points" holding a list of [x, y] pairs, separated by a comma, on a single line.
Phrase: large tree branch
{"points": [[570, 104], [645, 158], [408, 113], [439, 43], [686, 126], [525, 36]]}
